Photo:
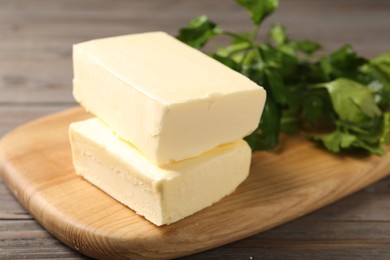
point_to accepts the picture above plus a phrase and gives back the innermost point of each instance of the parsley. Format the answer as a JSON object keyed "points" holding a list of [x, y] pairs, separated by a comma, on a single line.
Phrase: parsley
{"points": [[340, 99]]}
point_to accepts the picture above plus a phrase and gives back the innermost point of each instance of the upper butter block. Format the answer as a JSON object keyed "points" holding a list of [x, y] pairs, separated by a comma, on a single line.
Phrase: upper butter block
{"points": [[169, 100]]}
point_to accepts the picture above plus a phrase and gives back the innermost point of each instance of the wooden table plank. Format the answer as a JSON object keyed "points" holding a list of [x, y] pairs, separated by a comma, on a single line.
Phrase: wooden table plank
{"points": [[35, 46], [12, 115], [35, 79], [344, 229]]}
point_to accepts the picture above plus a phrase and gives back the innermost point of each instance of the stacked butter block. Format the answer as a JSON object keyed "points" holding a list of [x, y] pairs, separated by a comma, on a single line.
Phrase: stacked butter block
{"points": [[167, 137]]}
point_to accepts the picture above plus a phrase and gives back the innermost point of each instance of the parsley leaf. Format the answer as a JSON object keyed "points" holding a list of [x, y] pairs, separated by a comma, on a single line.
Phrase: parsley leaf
{"points": [[259, 10], [265, 137], [352, 101], [340, 99], [336, 140], [278, 34], [198, 32]]}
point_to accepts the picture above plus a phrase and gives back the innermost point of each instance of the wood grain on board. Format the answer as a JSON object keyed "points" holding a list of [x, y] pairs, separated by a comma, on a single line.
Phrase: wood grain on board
{"points": [[283, 185]]}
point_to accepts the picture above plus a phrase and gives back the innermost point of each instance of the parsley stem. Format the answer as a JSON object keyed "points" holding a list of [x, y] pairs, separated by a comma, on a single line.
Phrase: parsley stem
{"points": [[253, 39], [237, 36]]}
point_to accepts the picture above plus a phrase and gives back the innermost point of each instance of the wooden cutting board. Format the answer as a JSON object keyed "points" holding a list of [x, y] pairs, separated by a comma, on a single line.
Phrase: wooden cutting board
{"points": [[283, 185]]}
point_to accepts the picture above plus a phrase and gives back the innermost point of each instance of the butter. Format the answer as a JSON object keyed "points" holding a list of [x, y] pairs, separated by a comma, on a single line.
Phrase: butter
{"points": [[162, 195], [171, 101]]}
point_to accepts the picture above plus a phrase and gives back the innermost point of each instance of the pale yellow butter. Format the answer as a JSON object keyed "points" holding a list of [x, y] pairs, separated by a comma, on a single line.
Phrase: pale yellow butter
{"points": [[171, 101], [162, 195]]}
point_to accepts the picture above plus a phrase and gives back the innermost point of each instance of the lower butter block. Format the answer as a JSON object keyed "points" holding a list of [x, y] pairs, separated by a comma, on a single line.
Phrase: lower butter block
{"points": [[162, 195]]}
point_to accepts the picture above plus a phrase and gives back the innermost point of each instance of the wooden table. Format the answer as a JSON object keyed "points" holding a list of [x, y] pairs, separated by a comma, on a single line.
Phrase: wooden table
{"points": [[35, 79]]}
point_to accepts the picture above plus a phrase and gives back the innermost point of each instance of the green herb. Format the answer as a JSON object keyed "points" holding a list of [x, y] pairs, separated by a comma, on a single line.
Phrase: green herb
{"points": [[340, 99]]}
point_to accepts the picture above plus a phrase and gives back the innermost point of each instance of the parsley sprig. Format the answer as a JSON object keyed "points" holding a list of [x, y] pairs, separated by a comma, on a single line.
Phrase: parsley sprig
{"points": [[340, 99]]}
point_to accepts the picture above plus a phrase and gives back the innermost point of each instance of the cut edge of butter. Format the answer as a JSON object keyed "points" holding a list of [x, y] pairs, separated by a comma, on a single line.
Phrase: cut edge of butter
{"points": [[163, 195]]}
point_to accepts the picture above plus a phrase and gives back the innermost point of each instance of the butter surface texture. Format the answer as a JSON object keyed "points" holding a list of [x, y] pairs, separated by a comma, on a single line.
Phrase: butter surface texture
{"points": [[171, 101], [162, 195]]}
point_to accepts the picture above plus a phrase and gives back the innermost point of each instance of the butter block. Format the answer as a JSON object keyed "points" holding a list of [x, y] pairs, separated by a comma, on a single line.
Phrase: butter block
{"points": [[162, 195], [171, 101]]}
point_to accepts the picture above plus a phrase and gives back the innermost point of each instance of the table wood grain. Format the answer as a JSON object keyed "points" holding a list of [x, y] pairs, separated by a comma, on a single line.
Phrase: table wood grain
{"points": [[35, 79]]}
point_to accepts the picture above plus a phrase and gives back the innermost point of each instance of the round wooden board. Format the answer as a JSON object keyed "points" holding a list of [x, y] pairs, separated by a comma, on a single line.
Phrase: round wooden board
{"points": [[283, 185]]}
